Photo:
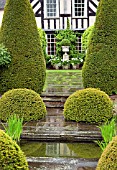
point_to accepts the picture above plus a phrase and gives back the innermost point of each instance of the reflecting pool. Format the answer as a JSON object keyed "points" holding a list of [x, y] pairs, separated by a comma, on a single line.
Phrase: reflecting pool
{"points": [[58, 150]]}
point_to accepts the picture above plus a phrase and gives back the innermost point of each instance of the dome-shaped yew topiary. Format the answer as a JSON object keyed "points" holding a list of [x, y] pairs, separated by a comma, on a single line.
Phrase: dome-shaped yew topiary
{"points": [[23, 102], [88, 105], [11, 156], [108, 160], [20, 36]]}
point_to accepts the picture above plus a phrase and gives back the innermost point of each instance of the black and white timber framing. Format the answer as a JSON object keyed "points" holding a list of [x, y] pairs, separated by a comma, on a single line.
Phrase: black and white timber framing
{"points": [[79, 23], [66, 7]]}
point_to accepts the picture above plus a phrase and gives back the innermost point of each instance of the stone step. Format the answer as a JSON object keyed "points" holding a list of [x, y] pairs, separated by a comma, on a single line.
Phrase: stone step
{"points": [[54, 101], [51, 94], [62, 163], [62, 90], [54, 98], [66, 82], [53, 104], [55, 128], [60, 136], [54, 111]]}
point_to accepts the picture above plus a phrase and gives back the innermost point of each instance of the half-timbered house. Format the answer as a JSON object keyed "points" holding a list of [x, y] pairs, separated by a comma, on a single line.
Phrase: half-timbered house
{"points": [[51, 15]]}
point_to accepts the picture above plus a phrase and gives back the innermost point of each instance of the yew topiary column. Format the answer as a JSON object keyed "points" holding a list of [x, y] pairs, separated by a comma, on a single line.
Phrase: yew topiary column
{"points": [[20, 36], [100, 67]]}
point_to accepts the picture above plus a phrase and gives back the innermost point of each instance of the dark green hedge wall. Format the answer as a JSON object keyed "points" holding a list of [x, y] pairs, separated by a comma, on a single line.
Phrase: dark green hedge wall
{"points": [[100, 67], [11, 156], [20, 36]]}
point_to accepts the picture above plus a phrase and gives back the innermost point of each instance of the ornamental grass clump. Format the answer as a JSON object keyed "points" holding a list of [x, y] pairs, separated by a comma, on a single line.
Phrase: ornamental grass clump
{"points": [[88, 105], [11, 156], [14, 127], [108, 131], [25, 103]]}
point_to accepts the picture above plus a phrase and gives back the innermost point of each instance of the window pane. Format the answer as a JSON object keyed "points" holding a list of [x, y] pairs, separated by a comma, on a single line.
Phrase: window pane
{"points": [[51, 47], [51, 7], [79, 7]]}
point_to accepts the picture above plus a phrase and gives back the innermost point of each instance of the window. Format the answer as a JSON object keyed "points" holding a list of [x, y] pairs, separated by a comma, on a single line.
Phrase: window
{"points": [[51, 48], [51, 8], [80, 8], [79, 44]]}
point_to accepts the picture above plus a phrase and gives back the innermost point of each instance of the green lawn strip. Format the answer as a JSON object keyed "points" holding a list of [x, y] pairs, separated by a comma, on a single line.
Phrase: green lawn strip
{"points": [[63, 71]]}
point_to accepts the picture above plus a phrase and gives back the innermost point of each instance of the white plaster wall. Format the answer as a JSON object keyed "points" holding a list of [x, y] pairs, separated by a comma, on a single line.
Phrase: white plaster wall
{"points": [[1, 15], [65, 6], [91, 20], [61, 3], [38, 21]]}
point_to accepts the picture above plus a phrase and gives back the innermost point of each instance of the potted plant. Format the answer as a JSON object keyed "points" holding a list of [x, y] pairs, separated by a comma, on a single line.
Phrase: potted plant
{"points": [[55, 61], [65, 64], [74, 62], [65, 43]]}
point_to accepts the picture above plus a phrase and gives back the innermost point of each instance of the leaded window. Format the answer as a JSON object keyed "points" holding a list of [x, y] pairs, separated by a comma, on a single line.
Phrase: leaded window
{"points": [[51, 8], [80, 8]]}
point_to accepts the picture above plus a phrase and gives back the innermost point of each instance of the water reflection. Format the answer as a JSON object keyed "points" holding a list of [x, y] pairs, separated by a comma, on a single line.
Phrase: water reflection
{"points": [[59, 150], [71, 150]]}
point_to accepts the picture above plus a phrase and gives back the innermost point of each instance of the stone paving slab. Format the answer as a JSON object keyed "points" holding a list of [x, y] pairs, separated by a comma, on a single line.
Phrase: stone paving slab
{"points": [[55, 128], [61, 164]]}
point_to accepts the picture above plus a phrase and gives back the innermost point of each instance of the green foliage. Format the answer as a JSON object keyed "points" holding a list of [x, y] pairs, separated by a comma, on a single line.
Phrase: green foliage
{"points": [[100, 66], [88, 105], [22, 102], [74, 61], [108, 131], [5, 57], [65, 62], [86, 37], [11, 156], [68, 23], [55, 60], [20, 36], [43, 41], [69, 35], [14, 127], [65, 42], [108, 160]]}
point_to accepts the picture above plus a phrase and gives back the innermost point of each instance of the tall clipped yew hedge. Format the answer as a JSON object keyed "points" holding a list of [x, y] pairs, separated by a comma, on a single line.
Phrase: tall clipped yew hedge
{"points": [[20, 36], [100, 67]]}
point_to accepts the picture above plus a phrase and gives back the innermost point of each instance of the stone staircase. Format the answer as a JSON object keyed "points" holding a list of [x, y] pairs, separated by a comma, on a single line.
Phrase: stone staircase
{"points": [[58, 87], [54, 128], [62, 83]]}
